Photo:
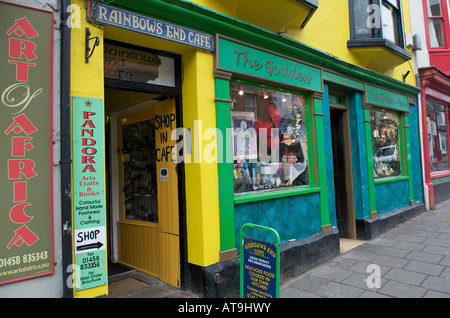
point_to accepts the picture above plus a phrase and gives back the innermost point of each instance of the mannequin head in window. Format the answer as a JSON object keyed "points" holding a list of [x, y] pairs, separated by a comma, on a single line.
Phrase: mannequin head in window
{"points": [[243, 125]]}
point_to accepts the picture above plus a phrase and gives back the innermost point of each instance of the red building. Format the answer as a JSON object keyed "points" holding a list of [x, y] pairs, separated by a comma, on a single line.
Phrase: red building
{"points": [[435, 100]]}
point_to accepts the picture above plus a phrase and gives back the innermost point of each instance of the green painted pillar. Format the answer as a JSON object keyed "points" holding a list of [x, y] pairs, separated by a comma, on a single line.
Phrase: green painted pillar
{"points": [[369, 152], [325, 225], [408, 159], [225, 168]]}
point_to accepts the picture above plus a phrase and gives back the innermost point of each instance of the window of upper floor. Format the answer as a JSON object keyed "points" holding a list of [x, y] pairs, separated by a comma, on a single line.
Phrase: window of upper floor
{"points": [[437, 24], [377, 23]]}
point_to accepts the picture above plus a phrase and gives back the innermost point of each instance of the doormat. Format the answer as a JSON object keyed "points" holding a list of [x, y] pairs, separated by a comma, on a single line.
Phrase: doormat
{"points": [[125, 286]]}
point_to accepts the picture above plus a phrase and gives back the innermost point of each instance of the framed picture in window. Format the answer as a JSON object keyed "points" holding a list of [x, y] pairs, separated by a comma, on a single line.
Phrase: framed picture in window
{"points": [[244, 136]]}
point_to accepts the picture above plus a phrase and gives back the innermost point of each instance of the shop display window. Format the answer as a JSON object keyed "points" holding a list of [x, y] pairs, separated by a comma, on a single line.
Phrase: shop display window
{"points": [[437, 136], [269, 138], [385, 144]]}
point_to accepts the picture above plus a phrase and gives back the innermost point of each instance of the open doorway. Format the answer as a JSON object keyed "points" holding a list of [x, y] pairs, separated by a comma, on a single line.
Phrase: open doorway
{"points": [[342, 167], [146, 223], [143, 189]]}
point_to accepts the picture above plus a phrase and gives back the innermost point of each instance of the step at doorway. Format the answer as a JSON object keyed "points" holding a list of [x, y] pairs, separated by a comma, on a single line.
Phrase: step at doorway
{"points": [[349, 244]]}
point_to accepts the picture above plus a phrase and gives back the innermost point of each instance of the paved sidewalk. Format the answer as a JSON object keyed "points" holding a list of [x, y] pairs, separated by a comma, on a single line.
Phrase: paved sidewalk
{"points": [[413, 261], [133, 284]]}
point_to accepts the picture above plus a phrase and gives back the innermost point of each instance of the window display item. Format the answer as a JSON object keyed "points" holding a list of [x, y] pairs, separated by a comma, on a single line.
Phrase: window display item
{"points": [[385, 143]]}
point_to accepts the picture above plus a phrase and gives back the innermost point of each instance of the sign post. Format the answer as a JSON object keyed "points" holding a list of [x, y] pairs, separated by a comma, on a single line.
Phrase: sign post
{"points": [[259, 265]]}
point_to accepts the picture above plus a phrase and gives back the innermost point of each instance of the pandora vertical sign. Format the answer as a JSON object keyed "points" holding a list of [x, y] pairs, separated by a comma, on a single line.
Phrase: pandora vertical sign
{"points": [[89, 219], [26, 229]]}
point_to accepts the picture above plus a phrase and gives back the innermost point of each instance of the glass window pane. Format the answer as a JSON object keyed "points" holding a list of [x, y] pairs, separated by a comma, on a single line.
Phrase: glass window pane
{"points": [[434, 8], [137, 66], [361, 16], [387, 19], [437, 136], [139, 172], [385, 144], [436, 32], [393, 3], [269, 139]]}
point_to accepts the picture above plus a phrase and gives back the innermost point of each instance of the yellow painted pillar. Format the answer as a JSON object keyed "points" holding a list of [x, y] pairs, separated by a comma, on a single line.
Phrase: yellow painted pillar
{"points": [[202, 201], [86, 79]]}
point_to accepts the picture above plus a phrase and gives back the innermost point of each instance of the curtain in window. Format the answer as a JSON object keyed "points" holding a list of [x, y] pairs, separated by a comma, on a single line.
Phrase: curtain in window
{"points": [[435, 23], [360, 8]]}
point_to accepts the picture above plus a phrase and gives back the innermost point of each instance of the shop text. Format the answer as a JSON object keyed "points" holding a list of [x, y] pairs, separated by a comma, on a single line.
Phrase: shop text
{"points": [[163, 124], [387, 99], [284, 70], [21, 169], [227, 307], [23, 259], [88, 142], [136, 22]]}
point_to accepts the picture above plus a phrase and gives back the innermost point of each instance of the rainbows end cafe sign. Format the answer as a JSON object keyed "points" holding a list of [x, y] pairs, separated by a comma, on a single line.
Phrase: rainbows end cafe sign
{"points": [[26, 210]]}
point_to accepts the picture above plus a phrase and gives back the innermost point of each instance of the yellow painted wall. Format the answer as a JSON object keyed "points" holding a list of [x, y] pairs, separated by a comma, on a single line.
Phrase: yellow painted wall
{"points": [[328, 30], [202, 201], [201, 178], [203, 234], [86, 79]]}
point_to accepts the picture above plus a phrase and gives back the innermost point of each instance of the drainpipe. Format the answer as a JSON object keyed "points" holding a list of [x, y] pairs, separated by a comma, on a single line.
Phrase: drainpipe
{"points": [[426, 199], [65, 163]]}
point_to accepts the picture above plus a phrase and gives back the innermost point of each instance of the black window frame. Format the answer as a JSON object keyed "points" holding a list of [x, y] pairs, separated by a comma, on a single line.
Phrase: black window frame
{"points": [[375, 38]]}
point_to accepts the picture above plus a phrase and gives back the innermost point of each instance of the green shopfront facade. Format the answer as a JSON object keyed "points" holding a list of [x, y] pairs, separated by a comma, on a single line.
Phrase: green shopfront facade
{"points": [[355, 125]]}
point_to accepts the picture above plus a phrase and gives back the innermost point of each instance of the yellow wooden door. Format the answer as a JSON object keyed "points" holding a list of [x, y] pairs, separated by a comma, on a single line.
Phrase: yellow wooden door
{"points": [[148, 222], [165, 124]]}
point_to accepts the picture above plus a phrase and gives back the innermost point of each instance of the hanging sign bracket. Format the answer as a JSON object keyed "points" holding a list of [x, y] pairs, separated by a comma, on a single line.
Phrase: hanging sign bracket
{"points": [[88, 51]]}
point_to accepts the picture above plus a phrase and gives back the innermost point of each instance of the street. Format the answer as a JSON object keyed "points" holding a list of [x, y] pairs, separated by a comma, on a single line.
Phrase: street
{"points": [[410, 261]]}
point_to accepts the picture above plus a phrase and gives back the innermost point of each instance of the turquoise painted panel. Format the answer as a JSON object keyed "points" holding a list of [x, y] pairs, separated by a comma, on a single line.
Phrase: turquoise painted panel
{"points": [[391, 196], [329, 157], [342, 80], [416, 165], [294, 217], [381, 97], [359, 162]]}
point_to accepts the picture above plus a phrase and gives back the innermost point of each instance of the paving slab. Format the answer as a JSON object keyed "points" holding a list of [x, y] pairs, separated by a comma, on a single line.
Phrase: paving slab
{"points": [[413, 261]]}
